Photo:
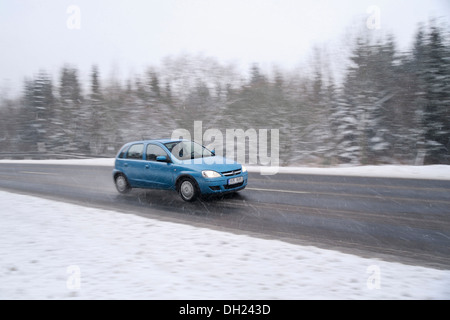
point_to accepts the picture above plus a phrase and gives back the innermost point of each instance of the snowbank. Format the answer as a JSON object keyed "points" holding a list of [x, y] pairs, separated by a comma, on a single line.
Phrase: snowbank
{"points": [[437, 172], [54, 250], [434, 172], [78, 162]]}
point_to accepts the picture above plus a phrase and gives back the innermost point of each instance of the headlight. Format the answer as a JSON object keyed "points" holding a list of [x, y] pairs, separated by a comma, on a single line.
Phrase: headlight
{"points": [[210, 174], [244, 169]]}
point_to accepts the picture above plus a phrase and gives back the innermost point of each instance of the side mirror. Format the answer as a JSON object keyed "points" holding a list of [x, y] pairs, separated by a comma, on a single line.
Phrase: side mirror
{"points": [[161, 159]]}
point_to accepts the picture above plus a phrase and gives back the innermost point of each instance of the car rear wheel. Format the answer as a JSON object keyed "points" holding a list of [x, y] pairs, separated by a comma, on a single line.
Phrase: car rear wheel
{"points": [[188, 189], [122, 184]]}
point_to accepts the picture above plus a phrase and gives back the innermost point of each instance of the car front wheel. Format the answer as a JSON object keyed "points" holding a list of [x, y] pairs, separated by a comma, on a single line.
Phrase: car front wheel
{"points": [[188, 189]]}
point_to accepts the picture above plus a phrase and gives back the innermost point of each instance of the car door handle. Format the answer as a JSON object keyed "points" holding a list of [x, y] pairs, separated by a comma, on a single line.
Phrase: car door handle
{"points": [[147, 166], [125, 164]]}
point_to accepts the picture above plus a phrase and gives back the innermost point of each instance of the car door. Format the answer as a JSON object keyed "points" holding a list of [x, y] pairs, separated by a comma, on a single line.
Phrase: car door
{"points": [[158, 174], [134, 165]]}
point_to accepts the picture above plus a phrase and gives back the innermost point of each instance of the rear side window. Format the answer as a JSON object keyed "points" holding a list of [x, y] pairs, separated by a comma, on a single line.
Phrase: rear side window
{"points": [[136, 151], [122, 152]]}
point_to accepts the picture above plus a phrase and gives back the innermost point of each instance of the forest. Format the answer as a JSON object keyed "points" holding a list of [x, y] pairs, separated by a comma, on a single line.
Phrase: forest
{"points": [[388, 107]]}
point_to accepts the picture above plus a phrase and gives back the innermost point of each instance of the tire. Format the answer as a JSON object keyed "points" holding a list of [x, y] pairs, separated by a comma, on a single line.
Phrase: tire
{"points": [[122, 184], [187, 188]]}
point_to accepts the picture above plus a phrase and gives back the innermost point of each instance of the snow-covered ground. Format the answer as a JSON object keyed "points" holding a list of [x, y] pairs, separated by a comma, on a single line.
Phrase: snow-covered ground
{"points": [[55, 250], [438, 172]]}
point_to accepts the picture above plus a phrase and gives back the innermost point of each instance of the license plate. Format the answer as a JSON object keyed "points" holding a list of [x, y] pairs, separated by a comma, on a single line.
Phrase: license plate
{"points": [[235, 180]]}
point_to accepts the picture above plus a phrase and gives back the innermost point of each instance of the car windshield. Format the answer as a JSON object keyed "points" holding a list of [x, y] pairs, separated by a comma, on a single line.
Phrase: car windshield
{"points": [[186, 150]]}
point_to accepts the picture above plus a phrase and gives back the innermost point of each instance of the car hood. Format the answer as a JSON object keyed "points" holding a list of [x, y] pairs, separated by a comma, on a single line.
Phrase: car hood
{"points": [[216, 163]]}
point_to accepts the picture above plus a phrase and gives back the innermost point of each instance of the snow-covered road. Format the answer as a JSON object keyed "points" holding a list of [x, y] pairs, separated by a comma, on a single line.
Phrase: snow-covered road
{"points": [[55, 250]]}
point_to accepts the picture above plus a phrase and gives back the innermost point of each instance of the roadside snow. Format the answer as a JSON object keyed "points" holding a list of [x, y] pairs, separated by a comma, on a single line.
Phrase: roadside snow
{"points": [[437, 172], [109, 162], [54, 250], [434, 172]]}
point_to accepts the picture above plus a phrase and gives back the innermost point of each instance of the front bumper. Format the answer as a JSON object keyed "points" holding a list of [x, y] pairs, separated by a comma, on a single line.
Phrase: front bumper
{"points": [[220, 185]]}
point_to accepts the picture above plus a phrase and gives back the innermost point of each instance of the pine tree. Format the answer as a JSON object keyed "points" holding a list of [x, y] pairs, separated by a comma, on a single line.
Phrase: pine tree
{"points": [[367, 102], [9, 122], [431, 69], [68, 123], [155, 91], [37, 112], [345, 129], [97, 114], [436, 115]]}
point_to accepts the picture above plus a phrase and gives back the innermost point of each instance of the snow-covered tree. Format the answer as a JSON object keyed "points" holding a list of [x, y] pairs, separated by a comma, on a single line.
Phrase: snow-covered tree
{"points": [[68, 122], [366, 103], [434, 77], [37, 112]]}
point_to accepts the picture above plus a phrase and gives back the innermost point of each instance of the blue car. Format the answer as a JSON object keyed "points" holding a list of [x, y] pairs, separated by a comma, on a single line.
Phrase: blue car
{"points": [[185, 166]]}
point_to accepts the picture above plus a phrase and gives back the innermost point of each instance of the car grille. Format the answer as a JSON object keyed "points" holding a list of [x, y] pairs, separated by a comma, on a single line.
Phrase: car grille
{"points": [[232, 173]]}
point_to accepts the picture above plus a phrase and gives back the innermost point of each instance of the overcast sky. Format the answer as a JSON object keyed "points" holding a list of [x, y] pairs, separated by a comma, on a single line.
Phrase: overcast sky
{"points": [[124, 36]]}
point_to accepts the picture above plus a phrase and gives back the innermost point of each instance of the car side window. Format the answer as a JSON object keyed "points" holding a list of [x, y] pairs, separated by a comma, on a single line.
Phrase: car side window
{"points": [[136, 151], [154, 151], [123, 152]]}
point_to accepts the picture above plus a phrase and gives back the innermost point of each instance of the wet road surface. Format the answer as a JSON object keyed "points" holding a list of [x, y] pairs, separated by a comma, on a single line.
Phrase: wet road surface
{"points": [[394, 219]]}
